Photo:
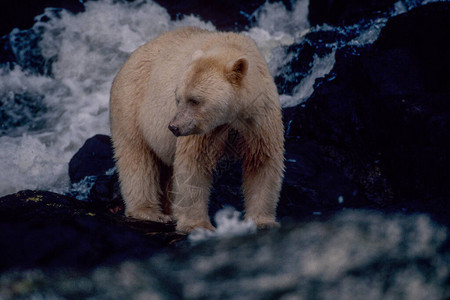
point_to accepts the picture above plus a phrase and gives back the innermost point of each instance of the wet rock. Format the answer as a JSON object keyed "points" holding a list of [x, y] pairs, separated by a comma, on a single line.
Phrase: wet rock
{"points": [[232, 15], [48, 230], [381, 117], [423, 43], [314, 186], [92, 174], [21, 13], [354, 255], [94, 158], [345, 12]]}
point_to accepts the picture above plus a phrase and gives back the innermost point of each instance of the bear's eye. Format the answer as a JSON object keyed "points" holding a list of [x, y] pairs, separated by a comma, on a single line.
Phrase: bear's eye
{"points": [[193, 102]]}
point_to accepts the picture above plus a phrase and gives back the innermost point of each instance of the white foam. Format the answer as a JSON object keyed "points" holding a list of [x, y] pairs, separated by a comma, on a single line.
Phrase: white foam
{"points": [[369, 35], [294, 22], [229, 223], [82, 188], [269, 33]]}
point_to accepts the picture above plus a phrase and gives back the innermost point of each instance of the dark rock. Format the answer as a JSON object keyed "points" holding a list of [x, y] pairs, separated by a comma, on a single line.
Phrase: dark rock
{"points": [[94, 158], [20, 14], [6, 52], [382, 115], [226, 187], [47, 230], [105, 191], [236, 18], [91, 164], [354, 255], [315, 186], [423, 42], [232, 15], [346, 12]]}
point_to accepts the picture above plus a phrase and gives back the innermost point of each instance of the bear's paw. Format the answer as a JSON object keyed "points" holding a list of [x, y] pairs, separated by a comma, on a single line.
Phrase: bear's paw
{"points": [[186, 227], [149, 214]]}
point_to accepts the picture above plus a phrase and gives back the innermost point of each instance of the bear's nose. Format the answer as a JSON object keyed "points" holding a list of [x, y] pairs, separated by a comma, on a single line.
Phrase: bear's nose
{"points": [[175, 130]]}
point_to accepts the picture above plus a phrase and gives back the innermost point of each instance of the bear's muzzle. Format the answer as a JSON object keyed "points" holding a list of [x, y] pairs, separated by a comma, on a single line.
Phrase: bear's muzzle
{"points": [[175, 130]]}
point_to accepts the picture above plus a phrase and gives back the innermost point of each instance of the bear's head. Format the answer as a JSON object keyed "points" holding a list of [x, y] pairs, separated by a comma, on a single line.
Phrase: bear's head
{"points": [[207, 93]]}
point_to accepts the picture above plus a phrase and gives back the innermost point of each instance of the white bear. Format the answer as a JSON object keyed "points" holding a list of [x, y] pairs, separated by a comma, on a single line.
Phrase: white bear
{"points": [[173, 104]]}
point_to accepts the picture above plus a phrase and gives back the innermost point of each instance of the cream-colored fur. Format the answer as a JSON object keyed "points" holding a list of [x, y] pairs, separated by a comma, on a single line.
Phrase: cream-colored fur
{"points": [[201, 84]]}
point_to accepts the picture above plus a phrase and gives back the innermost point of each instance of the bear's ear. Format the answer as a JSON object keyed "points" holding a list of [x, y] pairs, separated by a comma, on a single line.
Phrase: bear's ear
{"points": [[236, 70], [197, 54]]}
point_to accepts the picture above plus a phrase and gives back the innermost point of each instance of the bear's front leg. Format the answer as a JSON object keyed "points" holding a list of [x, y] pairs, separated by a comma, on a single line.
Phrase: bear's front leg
{"points": [[191, 193], [263, 169], [191, 187], [139, 181]]}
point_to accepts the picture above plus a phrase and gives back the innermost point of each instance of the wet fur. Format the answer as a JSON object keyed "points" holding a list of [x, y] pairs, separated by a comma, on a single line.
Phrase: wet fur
{"points": [[163, 177]]}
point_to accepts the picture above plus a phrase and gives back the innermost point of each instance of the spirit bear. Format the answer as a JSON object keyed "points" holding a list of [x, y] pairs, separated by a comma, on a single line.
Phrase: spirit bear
{"points": [[174, 104]]}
